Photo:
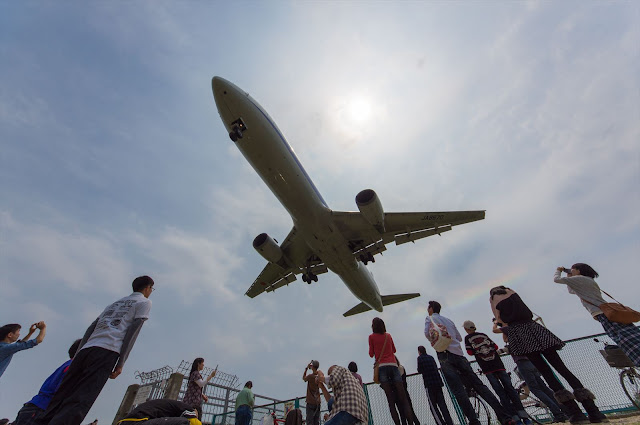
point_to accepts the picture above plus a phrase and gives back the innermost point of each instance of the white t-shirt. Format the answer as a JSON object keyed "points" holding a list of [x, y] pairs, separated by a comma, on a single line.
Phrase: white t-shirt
{"points": [[115, 320]]}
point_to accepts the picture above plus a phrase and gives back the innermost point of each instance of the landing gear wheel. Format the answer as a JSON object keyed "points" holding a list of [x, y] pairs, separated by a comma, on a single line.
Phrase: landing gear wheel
{"points": [[313, 277], [235, 134], [304, 278]]}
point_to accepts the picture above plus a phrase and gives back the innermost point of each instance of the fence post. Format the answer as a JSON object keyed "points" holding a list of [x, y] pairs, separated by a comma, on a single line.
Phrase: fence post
{"points": [[226, 406], [456, 406], [366, 394], [174, 383], [127, 402]]}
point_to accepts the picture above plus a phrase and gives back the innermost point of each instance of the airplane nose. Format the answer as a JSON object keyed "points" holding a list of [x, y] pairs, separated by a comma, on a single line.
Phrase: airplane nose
{"points": [[219, 86]]}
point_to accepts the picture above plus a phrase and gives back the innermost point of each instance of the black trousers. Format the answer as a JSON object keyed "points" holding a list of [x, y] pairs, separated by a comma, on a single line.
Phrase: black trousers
{"points": [[81, 386], [28, 414], [554, 360]]}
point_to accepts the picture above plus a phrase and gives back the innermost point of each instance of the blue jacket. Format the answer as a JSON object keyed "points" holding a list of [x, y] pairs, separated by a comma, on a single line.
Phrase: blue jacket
{"points": [[50, 386]]}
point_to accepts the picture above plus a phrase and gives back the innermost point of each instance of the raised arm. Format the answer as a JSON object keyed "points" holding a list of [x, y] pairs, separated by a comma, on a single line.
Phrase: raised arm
{"points": [[32, 329], [43, 331]]}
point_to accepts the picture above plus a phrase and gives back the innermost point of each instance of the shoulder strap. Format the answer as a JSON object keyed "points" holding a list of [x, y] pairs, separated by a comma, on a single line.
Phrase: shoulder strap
{"points": [[383, 347], [610, 296], [435, 325]]}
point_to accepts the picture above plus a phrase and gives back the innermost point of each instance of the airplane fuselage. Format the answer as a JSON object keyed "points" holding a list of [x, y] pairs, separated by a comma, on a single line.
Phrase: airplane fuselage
{"points": [[268, 152]]}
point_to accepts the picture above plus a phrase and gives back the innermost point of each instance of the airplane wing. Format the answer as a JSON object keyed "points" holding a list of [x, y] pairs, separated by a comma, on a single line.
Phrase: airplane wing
{"points": [[298, 257], [398, 227]]}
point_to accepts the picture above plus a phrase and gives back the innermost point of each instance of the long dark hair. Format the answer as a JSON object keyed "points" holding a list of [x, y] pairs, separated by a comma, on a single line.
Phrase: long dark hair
{"points": [[585, 270], [377, 325], [196, 363]]}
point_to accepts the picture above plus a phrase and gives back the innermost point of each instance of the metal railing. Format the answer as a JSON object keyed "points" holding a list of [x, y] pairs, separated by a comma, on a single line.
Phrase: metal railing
{"points": [[581, 355]]}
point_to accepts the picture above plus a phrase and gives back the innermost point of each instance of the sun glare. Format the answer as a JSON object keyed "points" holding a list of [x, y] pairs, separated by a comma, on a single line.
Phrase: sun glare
{"points": [[359, 110]]}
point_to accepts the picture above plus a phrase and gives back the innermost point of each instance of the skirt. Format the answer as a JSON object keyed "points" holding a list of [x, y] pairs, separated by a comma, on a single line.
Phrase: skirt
{"points": [[531, 337]]}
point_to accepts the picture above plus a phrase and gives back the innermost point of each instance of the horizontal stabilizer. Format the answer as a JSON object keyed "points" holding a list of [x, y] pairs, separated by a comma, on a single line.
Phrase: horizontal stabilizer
{"points": [[360, 308], [392, 299], [386, 300]]}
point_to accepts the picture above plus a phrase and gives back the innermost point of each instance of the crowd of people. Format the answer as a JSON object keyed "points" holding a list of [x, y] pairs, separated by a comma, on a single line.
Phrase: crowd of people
{"points": [[68, 393]]}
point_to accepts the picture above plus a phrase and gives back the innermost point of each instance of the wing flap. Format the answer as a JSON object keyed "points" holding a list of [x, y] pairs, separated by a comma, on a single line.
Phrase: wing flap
{"points": [[400, 227], [297, 256]]}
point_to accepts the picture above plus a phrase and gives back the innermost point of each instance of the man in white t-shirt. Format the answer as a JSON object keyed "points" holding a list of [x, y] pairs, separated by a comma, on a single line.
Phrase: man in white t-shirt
{"points": [[103, 351]]}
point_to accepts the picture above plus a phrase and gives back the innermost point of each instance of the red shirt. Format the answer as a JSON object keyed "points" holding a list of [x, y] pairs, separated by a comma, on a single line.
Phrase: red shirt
{"points": [[376, 341]]}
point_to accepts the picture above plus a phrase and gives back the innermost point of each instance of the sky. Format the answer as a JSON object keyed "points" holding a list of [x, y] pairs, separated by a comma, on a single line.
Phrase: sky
{"points": [[114, 163]]}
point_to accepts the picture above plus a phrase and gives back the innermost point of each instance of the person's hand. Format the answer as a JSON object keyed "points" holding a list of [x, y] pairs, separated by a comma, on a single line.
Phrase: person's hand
{"points": [[205, 398], [33, 327], [326, 416], [116, 372], [560, 268], [41, 325], [213, 373]]}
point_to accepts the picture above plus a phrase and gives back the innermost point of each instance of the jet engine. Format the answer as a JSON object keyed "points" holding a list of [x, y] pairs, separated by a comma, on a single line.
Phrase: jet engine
{"points": [[369, 205], [267, 248]]}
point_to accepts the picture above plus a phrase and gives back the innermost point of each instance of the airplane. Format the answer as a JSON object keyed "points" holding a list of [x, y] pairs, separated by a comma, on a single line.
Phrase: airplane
{"points": [[321, 239]]}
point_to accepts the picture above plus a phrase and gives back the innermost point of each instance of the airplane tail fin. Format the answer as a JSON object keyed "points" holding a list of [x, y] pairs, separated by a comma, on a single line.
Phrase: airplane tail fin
{"points": [[386, 300]]}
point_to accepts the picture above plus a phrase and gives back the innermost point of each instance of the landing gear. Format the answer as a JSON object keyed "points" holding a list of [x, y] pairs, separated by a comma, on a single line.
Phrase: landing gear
{"points": [[309, 277], [237, 128], [365, 258], [235, 134]]}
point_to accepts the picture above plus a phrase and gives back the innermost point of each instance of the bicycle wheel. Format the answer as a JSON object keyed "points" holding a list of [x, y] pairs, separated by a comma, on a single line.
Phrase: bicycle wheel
{"points": [[537, 410], [630, 381], [481, 409]]}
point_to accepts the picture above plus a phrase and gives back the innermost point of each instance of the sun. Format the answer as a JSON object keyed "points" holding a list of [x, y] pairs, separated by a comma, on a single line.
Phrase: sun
{"points": [[358, 110]]}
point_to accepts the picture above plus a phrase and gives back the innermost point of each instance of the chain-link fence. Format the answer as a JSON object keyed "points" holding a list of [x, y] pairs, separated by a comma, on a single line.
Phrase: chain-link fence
{"points": [[581, 356]]}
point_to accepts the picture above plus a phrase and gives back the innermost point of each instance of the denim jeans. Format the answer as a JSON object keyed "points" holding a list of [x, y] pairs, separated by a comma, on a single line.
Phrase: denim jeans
{"points": [[458, 373], [243, 415], [343, 418], [389, 374], [509, 398], [531, 377]]}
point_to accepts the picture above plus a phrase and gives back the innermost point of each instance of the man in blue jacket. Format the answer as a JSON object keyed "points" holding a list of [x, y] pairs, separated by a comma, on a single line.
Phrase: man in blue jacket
{"points": [[39, 403]]}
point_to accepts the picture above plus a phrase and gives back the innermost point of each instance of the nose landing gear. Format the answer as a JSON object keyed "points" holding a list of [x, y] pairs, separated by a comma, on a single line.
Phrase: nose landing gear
{"points": [[237, 128]]}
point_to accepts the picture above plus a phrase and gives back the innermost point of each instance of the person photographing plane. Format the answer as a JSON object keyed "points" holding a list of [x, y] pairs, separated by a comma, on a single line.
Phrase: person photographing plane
{"points": [[313, 393]]}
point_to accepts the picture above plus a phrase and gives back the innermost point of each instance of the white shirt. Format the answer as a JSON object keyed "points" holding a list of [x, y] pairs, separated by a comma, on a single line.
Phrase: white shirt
{"points": [[115, 320], [454, 347]]}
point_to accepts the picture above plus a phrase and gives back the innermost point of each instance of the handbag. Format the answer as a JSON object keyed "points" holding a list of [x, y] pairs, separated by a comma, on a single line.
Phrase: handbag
{"points": [[441, 341], [376, 364], [617, 312]]}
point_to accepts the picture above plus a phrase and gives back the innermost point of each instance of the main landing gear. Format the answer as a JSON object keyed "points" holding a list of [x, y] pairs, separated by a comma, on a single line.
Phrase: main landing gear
{"points": [[365, 258], [309, 277]]}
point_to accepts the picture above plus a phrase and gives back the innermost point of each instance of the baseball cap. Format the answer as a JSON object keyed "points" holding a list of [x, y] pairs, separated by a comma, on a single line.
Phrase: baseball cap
{"points": [[468, 324]]}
